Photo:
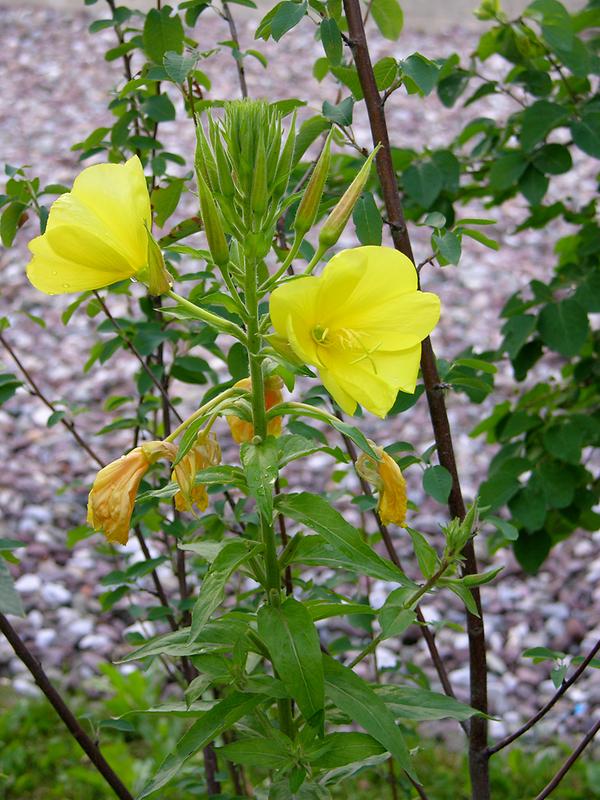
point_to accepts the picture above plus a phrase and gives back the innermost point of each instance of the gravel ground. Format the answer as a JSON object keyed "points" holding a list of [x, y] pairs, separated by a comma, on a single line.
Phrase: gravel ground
{"points": [[55, 83]]}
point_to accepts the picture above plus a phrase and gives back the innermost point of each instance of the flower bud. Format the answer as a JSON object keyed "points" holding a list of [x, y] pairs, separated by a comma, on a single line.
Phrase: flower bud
{"points": [[217, 243], [336, 221], [309, 205], [242, 430], [259, 196]]}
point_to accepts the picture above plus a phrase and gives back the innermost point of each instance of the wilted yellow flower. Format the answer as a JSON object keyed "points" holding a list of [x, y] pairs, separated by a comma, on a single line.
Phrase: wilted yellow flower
{"points": [[97, 233], [241, 429], [112, 497], [389, 481], [361, 323], [205, 453]]}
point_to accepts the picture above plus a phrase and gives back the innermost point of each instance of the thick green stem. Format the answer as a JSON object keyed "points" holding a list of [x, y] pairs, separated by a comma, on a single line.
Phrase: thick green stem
{"points": [[259, 421]]}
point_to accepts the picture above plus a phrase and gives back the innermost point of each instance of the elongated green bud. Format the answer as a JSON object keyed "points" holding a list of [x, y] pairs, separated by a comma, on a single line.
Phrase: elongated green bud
{"points": [[309, 205], [205, 162], [217, 243], [284, 165], [259, 197], [336, 221], [155, 274]]}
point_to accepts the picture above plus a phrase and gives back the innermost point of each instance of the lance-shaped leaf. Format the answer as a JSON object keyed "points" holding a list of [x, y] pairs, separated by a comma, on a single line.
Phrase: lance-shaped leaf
{"points": [[220, 718], [316, 513], [339, 749], [293, 644], [354, 697], [407, 702], [260, 465], [212, 591]]}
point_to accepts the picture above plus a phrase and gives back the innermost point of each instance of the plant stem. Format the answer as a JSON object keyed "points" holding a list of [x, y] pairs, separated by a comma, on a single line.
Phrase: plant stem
{"points": [[220, 323], [235, 39], [89, 747], [202, 411], [478, 757]]}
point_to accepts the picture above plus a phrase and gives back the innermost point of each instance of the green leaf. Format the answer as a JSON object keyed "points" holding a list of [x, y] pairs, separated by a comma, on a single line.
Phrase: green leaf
{"points": [[538, 120], [427, 558], [407, 702], [162, 33], [9, 222], [165, 199], [212, 591], [449, 246], [355, 698], [341, 113], [437, 482], [533, 185], [332, 41], [288, 15], [339, 749], [422, 71], [516, 332], [506, 170], [9, 384], [564, 441], [564, 326], [528, 506], [10, 601], [293, 643], [423, 183], [260, 752], [316, 513], [385, 71], [586, 133], [210, 725], [388, 17], [367, 220], [190, 369], [553, 159], [159, 108], [531, 550], [260, 463], [178, 65]]}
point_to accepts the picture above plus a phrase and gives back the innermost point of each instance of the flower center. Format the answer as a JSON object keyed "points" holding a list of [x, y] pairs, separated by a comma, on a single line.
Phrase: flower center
{"points": [[319, 334]]}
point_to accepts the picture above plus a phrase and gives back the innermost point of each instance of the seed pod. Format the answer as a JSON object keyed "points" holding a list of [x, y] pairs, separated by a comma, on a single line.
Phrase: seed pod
{"points": [[204, 161], [284, 165], [217, 243], [309, 205], [336, 221]]}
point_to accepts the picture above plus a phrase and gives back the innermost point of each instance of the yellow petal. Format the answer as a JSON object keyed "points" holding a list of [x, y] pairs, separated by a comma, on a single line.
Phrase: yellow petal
{"points": [[52, 274], [293, 314], [117, 194], [344, 399]]}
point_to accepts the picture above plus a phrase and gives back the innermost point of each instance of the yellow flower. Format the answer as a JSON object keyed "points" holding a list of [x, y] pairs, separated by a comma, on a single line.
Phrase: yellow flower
{"points": [[205, 453], [97, 234], [389, 481], [360, 323], [241, 429], [112, 497]]}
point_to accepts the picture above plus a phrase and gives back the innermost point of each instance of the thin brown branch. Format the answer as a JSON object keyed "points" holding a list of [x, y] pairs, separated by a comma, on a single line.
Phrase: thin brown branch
{"points": [[478, 758], [395, 558], [89, 747], [35, 390], [562, 689], [235, 39], [130, 346], [569, 762]]}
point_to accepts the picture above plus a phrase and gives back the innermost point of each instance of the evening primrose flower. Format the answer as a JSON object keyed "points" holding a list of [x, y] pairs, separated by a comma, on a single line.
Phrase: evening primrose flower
{"points": [[360, 323], [97, 234], [205, 453], [242, 430], [112, 497], [389, 481]]}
